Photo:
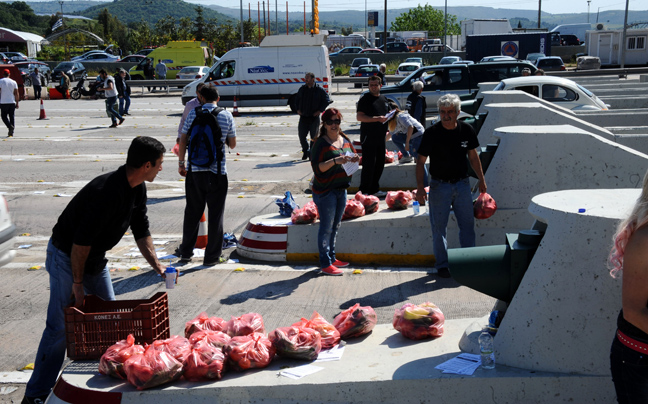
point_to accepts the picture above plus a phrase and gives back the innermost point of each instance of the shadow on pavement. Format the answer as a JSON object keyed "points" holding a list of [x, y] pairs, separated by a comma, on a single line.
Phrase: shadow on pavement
{"points": [[271, 291]]}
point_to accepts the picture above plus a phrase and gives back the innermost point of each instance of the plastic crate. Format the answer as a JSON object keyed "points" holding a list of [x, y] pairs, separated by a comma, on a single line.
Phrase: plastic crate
{"points": [[100, 324]]}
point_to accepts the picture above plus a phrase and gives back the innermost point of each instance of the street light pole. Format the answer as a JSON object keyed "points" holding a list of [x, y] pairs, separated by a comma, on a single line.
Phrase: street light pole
{"points": [[625, 32], [445, 29], [539, 12], [588, 10], [67, 55], [242, 37]]}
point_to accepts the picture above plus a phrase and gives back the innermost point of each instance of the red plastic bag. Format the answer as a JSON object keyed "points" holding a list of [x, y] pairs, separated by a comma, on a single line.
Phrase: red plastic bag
{"points": [[398, 200], [355, 321], [427, 191], [175, 149], [216, 338], [484, 206], [419, 321], [307, 214], [206, 362], [389, 156], [246, 324], [249, 351], [204, 322], [176, 346], [369, 202], [112, 361], [296, 342], [330, 334], [353, 209], [152, 368]]}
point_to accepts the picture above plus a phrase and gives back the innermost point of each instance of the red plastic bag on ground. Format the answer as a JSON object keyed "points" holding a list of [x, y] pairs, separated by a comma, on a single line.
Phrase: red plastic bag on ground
{"points": [[484, 206], [307, 214], [249, 351], [419, 321], [204, 322], [353, 209], [112, 361], [398, 200], [389, 157], [427, 190], [355, 321], [369, 202], [330, 334], [152, 368], [206, 362], [246, 324], [216, 338], [176, 346], [296, 342]]}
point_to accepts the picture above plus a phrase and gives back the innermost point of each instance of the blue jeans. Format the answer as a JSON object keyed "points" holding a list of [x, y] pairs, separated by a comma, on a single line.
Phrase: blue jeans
{"points": [[399, 140], [110, 109], [442, 198], [629, 373], [307, 125], [124, 100], [51, 350], [330, 206]]}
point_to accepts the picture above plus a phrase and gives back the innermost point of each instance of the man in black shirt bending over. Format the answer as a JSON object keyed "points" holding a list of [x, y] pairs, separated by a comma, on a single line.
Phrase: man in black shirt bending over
{"points": [[94, 221]]}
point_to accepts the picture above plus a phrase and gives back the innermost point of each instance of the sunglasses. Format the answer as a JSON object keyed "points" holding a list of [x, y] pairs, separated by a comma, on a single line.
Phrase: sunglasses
{"points": [[333, 121]]}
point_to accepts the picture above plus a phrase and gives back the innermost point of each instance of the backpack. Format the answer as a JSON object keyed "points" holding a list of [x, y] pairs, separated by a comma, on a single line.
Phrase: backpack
{"points": [[205, 143]]}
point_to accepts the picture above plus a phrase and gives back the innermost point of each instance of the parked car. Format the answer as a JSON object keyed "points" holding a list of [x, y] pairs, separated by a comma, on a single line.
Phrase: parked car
{"points": [[395, 47], [570, 40], [16, 56], [357, 62], [28, 67], [192, 72], [74, 70], [497, 58], [463, 62], [132, 59], [448, 60], [414, 60], [436, 48], [4, 59], [85, 54], [405, 69], [550, 64], [7, 234], [532, 57], [370, 50], [99, 57], [145, 51], [564, 92], [367, 70], [346, 51]]}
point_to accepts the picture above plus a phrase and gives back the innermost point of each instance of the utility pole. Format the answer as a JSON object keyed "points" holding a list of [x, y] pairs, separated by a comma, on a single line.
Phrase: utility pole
{"points": [[625, 32], [539, 12], [242, 37], [588, 10], [385, 39], [65, 47]]}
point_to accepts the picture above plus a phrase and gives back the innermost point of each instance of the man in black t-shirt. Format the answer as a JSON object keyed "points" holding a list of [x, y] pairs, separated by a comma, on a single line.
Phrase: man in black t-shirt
{"points": [[447, 143], [371, 112]]}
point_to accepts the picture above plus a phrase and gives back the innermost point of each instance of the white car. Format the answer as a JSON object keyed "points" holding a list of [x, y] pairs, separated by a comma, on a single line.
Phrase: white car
{"points": [[405, 69], [564, 92], [98, 57], [192, 72], [414, 60], [7, 233]]}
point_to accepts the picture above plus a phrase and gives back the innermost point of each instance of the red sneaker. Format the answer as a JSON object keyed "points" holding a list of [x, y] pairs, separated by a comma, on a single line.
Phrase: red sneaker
{"points": [[332, 270], [340, 264]]}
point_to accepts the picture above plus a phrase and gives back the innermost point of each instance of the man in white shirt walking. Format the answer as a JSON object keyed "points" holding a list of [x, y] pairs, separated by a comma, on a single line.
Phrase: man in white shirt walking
{"points": [[111, 98], [8, 101]]}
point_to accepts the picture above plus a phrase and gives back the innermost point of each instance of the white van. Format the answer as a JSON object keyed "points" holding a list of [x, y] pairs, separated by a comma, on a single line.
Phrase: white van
{"points": [[267, 75]]}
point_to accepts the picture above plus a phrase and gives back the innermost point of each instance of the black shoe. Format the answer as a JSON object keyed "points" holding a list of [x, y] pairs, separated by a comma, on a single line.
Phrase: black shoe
{"points": [[306, 155], [444, 273], [34, 400], [220, 260], [121, 121]]}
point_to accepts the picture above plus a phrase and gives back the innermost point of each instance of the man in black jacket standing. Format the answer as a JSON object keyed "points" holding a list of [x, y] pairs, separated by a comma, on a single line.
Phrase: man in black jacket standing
{"points": [[311, 101], [123, 91]]}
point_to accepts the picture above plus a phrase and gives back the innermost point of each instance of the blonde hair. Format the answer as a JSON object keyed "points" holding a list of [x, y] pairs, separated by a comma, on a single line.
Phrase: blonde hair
{"points": [[393, 121], [637, 219]]}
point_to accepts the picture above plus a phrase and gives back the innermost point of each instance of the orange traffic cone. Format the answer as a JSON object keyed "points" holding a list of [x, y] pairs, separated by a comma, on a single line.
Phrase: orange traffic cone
{"points": [[201, 241], [235, 112], [42, 111]]}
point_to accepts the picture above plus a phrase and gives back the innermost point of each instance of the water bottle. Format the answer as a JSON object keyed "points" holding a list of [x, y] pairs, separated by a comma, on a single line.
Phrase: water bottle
{"points": [[416, 207], [486, 349], [170, 277]]}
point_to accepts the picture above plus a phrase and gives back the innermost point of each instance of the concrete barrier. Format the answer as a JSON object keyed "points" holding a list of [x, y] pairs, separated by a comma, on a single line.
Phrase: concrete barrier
{"points": [[643, 78]]}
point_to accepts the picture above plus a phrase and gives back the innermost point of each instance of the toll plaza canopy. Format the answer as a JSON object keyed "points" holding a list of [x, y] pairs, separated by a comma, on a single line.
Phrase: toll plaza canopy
{"points": [[32, 41]]}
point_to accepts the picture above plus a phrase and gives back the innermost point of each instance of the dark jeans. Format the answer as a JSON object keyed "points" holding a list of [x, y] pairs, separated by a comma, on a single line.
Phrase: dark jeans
{"points": [[110, 109], [629, 373], [37, 92], [330, 206], [373, 162], [204, 187], [307, 125], [7, 111]]}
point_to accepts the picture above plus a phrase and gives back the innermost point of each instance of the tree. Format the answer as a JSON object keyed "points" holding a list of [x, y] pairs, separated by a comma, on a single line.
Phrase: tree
{"points": [[199, 25], [425, 18]]}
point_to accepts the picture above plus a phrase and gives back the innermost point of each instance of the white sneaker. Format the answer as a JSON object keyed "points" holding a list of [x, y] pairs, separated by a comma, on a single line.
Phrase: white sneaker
{"points": [[406, 159]]}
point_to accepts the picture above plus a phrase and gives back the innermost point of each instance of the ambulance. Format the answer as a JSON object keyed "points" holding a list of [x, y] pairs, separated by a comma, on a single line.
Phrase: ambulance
{"points": [[176, 55], [267, 75]]}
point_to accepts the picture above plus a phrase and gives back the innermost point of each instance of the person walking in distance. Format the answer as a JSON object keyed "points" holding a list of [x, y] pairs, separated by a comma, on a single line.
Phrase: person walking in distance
{"points": [[37, 79], [311, 102], [205, 184], [111, 98], [123, 91], [93, 222], [447, 143], [9, 99], [161, 71], [149, 72], [416, 104]]}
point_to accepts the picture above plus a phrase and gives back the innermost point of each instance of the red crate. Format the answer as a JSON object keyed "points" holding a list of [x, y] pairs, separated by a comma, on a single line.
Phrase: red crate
{"points": [[100, 324]]}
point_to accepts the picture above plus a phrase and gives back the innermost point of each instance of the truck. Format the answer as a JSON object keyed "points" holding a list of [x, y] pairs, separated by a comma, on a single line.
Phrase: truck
{"points": [[337, 42], [574, 29], [175, 55], [483, 26], [516, 45]]}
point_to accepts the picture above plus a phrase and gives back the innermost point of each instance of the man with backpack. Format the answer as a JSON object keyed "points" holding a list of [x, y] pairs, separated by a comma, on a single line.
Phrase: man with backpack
{"points": [[206, 131]]}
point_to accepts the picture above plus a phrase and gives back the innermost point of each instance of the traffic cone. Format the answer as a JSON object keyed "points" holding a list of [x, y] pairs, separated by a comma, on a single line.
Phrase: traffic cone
{"points": [[235, 112], [42, 111], [201, 241]]}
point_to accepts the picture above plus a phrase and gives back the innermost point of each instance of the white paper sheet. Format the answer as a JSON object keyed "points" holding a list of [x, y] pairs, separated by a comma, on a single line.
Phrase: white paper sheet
{"points": [[351, 167], [463, 364], [300, 371], [333, 354]]}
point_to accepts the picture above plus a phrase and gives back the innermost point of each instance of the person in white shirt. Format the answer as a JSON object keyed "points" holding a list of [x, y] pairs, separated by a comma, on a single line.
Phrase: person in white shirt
{"points": [[111, 98], [8, 101]]}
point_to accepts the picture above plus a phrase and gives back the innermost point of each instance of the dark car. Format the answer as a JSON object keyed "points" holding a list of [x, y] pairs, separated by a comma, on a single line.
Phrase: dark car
{"points": [[570, 40], [144, 51], [74, 70], [367, 70], [28, 67], [395, 47], [550, 64], [346, 51]]}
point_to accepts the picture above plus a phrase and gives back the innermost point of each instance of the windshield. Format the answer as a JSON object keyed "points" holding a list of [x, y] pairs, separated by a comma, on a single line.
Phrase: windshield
{"points": [[189, 70], [586, 91]]}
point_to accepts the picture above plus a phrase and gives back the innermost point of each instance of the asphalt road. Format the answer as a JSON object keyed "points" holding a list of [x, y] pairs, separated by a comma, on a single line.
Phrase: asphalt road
{"points": [[47, 162]]}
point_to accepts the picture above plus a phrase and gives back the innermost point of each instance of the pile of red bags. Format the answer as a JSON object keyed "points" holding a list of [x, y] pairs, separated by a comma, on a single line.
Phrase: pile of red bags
{"points": [[176, 346], [246, 324], [307, 214], [353, 209], [389, 157], [484, 206], [249, 351], [215, 338], [204, 322], [419, 321], [330, 334], [369, 202], [205, 362], [398, 200], [112, 361], [297, 342], [152, 368], [355, 321]]}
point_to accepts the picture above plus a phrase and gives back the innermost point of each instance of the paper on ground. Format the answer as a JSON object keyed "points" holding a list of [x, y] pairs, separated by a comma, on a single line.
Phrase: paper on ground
{"points": [[333, 354], [300, 371], [463, 364]]}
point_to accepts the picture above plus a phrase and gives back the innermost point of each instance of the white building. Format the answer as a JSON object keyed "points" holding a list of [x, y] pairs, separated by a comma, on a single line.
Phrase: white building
{"points": [[607, 45], [32, 41]]}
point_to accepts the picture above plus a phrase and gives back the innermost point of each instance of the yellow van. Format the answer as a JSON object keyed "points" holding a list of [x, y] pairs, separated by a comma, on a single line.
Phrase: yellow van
{"points": [[176, 55]]}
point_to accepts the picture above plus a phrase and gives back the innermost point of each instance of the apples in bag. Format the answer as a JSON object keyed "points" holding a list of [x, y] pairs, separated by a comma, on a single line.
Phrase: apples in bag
{"points": [[389, 157], [246, 324], [216, 338], [205, 362], [355, 321], [307, 214], [353, 209], [204, 322], [152, 368], [296, 342], [249, 352], [419, 321], [369, 202], [330, 334], [176, 346], [112, 361], [398, 200], [484, 206]]}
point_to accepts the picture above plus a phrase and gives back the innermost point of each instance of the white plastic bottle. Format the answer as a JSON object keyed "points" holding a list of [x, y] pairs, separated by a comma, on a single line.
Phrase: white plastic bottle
{"points": [[486, 349], [170, 276], [416, 207]]}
